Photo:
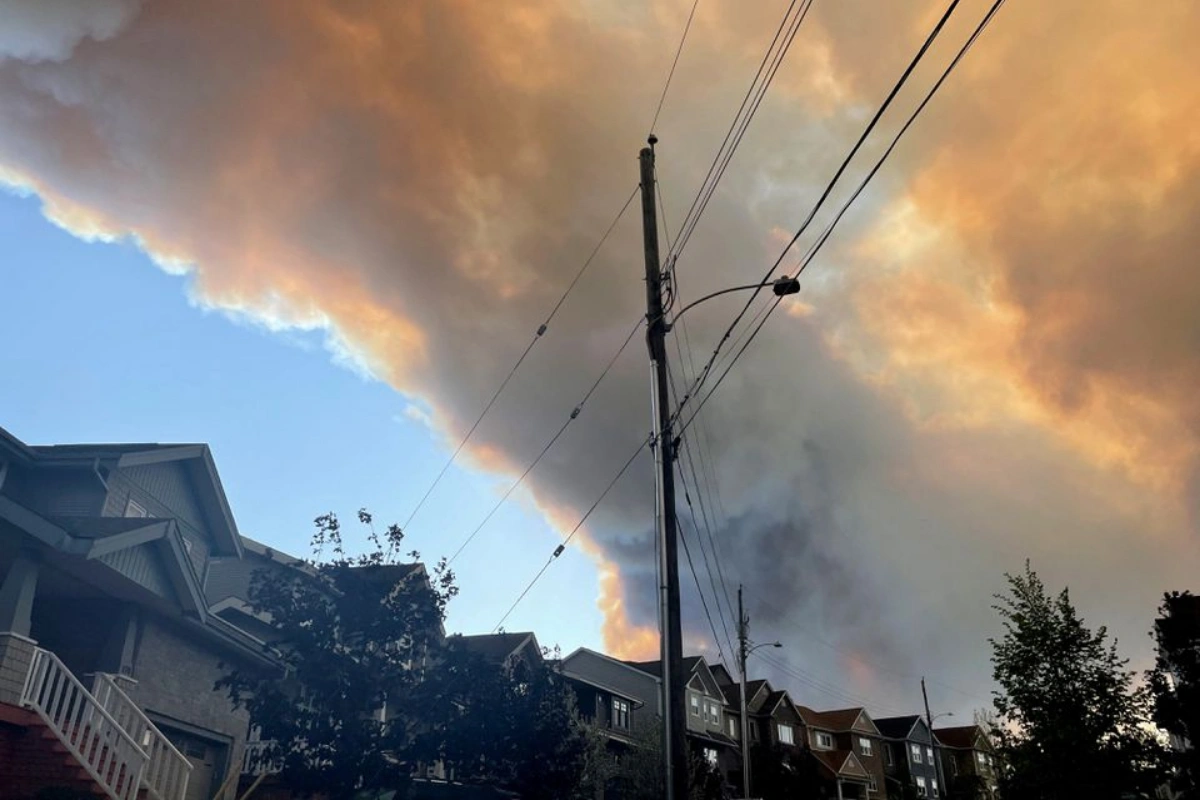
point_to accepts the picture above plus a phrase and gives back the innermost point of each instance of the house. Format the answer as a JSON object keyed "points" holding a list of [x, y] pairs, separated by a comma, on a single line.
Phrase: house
{"points": [[503, 649], [844, 743], [968, 762], [615, 697], [909, 757], [108, 650], [707, 723]]}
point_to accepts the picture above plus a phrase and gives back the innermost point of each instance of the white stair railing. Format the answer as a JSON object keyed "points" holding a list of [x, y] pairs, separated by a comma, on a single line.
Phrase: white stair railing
{"points": [[112, 758], [167, 771]]}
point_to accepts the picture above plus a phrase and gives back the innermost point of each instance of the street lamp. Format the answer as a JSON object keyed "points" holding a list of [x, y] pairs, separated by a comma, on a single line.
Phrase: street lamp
{"points": [[780, 287], [937, 746]]}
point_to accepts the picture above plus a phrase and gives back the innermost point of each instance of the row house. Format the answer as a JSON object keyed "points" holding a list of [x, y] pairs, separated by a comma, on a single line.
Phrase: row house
{"points": [[620, 700], [108, 648], [848, 746], [909, 756], [968, 762]]}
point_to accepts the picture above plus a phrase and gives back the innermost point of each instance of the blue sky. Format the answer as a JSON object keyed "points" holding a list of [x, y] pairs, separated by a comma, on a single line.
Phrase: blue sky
{"points": [[101, 345]]}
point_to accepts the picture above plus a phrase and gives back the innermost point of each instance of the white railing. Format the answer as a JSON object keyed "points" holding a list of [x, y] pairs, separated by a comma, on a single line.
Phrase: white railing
{"points": [[256, 760], [102, 747], [167, 771]]}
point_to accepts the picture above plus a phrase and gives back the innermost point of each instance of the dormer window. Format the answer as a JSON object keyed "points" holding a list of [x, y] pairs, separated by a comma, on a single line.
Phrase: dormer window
{"points": [[824, 740]]}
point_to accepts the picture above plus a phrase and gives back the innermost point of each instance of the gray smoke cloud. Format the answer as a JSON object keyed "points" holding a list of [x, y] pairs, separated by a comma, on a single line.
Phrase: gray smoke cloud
{"points": [[992, 361]]}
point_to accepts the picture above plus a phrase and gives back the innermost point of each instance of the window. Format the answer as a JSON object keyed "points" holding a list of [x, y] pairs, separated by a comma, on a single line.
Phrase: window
{"points": [[921, 791], [888, 758], [981, 758], [712, 713], [864, 746], [916, 753], [620, 714], [824, 740], [733, 728], [933, 783], [785, 734], [695, 705], [871, 785], [710, 755], [135, 509], [929, 754]]}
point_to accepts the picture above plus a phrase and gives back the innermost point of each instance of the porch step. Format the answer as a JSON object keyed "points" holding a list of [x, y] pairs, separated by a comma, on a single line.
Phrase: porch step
{"points": [[32, 759]]}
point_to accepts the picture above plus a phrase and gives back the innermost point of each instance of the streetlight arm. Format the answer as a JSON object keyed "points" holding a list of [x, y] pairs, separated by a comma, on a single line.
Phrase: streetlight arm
{"points": [[781, 287]]}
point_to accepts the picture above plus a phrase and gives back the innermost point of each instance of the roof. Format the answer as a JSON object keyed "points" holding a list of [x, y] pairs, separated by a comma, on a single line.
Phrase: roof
{"points": [[962, 736], [842, 764], [733, 693], [655, 667], [202, 471], [897, 727], [499, 647]]}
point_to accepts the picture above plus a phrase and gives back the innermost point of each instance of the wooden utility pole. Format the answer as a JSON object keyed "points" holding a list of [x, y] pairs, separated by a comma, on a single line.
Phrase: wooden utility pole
{"points": [[937, 755], [743, 636], [675, 761]]}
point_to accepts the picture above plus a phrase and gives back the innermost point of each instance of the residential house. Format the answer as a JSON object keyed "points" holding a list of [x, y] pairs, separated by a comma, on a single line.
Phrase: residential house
{"points": [[909, 758], [503, 649], [707, 723], [968, 763], [839, 741], [108, 651], [618, 699]]}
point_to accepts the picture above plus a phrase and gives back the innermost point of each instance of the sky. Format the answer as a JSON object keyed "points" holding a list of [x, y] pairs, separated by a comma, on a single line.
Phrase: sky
{"points": [[318, 234]]}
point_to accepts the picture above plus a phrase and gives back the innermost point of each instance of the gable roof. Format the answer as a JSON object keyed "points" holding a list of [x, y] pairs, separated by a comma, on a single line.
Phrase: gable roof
{"points": [[841, 764], [756, 692], [850, 719], [623, 664], [196, 458], [964, 737], [898, 727], [655, 667]]}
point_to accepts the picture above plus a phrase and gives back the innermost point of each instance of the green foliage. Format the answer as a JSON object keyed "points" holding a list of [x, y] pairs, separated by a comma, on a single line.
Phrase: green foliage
{"points": [[371, 692], [638, 772], [1071, 722], [1175, 686], [780, 772]]}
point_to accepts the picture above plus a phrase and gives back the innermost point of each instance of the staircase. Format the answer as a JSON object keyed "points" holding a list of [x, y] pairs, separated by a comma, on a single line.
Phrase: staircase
{"points": [[99, 743]]}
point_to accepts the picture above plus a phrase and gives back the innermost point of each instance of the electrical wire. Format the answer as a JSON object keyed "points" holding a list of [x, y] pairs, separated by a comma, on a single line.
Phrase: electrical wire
{"points": [[703, 603], [520, 360], [706, 370], [678, 51], [553, 439], [558, 551], [824, 687]]}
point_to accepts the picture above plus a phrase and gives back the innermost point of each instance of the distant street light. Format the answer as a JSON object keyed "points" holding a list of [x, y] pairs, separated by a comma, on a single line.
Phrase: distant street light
{"points": [[781, 287]]}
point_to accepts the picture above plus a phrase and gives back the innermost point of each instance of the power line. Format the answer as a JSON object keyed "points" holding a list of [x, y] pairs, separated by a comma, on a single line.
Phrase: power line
{"points": [[824, 237], [788, 27], [503, 384], [706, 371], [571, 418], [678, 51], [824, 687], [704, 603], [558, 551]]}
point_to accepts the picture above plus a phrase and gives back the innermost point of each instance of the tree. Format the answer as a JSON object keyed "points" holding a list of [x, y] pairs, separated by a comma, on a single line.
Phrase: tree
{"points": [[1175, 686], [355, 636], [779, 772], [638, 772], [1071, 722], [513, 725]]}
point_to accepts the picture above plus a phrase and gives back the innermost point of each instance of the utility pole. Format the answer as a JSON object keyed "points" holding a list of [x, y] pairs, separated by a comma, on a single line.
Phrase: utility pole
{"points": [[743, 624], [937, 756], [674, 711]]}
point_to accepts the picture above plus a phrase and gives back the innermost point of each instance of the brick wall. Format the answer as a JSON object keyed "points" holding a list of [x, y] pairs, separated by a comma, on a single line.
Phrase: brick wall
{"points": [[175, 672]]}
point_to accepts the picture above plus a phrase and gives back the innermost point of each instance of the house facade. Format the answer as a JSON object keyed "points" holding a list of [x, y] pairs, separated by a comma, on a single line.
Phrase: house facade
{"points": [[910, 759], [618, 699], [107, 647], [845, 744], [968, 763]]}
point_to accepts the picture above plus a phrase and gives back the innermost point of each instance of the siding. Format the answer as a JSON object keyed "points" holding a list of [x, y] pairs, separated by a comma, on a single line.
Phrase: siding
{"points": [[165, 491], [56, 492], [625, 680], [142, 565], [175, 674]]}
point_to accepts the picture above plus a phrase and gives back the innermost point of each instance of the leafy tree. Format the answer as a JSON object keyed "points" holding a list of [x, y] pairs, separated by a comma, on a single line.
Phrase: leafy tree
{"points": [[355, 636], [1071, 722], [513, 725], [778, 772], [638, 772], [1175, 686]]}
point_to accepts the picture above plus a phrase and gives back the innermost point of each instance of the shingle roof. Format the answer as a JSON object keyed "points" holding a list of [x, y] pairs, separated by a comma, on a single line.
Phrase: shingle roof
{"points": [[960, 736], [655, 667], [842, 719], [896, 727], [841, 763]]}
